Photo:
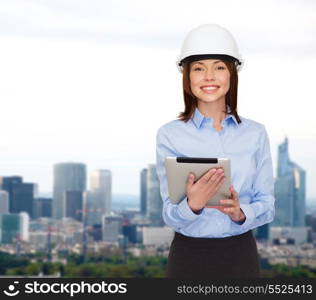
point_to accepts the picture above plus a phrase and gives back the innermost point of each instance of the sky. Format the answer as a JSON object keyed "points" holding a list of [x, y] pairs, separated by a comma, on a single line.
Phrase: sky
{"points": [[91, 81]]}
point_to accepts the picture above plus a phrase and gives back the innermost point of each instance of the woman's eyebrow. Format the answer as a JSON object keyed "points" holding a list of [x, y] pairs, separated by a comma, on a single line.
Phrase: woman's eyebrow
{"points": [[201, 63]]}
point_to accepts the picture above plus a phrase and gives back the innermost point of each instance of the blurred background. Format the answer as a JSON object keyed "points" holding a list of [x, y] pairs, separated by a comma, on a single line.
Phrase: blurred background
{"points": [[85, 85]]}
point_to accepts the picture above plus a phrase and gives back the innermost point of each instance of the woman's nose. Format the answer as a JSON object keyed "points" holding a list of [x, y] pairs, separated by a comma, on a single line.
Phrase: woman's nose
{"points": [[209, 74]]}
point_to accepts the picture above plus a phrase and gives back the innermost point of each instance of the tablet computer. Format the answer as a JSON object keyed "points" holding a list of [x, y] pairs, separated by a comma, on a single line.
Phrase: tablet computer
{"points": [[178, 169]]}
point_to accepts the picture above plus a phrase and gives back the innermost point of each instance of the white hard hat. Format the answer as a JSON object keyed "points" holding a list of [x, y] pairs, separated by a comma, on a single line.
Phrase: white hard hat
{"points": [[207, 41]]}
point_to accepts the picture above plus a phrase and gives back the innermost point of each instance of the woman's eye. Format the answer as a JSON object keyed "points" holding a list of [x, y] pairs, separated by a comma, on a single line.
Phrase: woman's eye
{"points": [[201, 69]]}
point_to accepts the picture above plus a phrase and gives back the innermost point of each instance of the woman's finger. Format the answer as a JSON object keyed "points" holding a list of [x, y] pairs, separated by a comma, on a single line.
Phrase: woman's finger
{"points": [[229, 209], [228, 202], [214, 206], [216, 182], [206, 177], [233, 191]]}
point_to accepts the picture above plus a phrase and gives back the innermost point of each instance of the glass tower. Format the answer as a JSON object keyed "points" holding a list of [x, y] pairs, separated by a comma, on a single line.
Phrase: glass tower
{"points": [[67, 177], [289, 190], [154, 201]]}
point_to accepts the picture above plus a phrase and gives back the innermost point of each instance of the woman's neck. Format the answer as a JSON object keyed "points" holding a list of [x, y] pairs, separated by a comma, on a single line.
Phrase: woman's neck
{"points": [[214, 110]]}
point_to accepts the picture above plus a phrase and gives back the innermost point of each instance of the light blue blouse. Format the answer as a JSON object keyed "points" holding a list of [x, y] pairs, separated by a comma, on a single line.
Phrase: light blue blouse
{"points": [[247, 145]]}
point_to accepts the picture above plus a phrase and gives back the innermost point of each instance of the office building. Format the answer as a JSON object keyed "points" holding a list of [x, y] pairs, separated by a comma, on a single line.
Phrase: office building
{"points": [[22, 198], [14, 228], [288, 235], [4, 202], [130, 232], [111, 228], [157, 236], [67, 177], [42, 207], [154, 201], [74, 205], [290, 190], [6, 184], [143, 192], [100, 199]]}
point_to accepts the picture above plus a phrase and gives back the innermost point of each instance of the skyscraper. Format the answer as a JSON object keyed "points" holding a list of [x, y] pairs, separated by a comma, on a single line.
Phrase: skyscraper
{"points": [[42, 207], [88, 208], [24, 226], [67, 177], [14, 227], [4, 202], [74, 205], [143, 191], [22, 198], [154, 201], [101, 185], [6, 184], [289, 191], [100, 198], [111, 227]]}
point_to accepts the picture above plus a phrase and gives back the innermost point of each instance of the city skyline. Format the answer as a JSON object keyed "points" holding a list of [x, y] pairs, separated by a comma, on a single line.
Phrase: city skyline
{"points": [[309, 199]]}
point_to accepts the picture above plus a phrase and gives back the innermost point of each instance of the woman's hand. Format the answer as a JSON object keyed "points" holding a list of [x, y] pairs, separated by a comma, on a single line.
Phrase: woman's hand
{"points": [[200, 192], [233, 211]]}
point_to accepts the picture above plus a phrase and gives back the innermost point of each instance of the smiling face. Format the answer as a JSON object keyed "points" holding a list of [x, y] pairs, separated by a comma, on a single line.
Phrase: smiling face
{"points": [[209, 80]]}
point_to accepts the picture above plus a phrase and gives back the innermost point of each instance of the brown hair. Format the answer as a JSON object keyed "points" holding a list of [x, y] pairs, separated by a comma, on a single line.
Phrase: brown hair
{"points": [[190, 101]]}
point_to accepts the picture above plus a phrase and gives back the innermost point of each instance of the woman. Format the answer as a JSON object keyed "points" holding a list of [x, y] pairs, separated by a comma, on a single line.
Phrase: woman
{"points": [[215, 241]]}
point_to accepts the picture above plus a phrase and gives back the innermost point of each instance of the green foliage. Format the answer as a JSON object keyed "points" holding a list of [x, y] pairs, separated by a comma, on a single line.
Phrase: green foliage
{"points": [[284, 271], [8, 261], [117, 266]]}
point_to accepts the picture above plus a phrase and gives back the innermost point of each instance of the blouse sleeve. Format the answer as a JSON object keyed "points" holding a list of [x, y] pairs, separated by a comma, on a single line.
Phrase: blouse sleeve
{"points": [[175, 215]]}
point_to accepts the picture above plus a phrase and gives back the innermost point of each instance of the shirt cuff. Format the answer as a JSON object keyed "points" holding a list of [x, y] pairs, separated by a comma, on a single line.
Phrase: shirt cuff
{"points": [[249, 213], [186, 212]]}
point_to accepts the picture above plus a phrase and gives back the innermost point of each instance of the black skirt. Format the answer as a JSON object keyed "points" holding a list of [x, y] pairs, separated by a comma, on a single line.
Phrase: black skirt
{"points": [[228, 257]]}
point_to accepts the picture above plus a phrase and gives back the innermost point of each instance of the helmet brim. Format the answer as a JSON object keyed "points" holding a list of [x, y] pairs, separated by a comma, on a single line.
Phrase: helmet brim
{"points": [[180, 62], [197, 57]]}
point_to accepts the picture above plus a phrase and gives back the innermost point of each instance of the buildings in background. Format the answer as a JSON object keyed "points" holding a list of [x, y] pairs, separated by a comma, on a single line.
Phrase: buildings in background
{"points": [[262, 233], [4, 202], [112, 228], [290, 193], [42, 207], [290, 190], [67, 177], [143, 191], [150, 198], [99, 199], [88, 213], [74, 204], [7, 184], [157, 236], [21, 195], [14, 228], [154, 201], [90, 207]]}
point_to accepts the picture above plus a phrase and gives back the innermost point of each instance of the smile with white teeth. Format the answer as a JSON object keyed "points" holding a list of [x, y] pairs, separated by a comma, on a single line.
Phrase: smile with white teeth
{"points": [[210, 88]]}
